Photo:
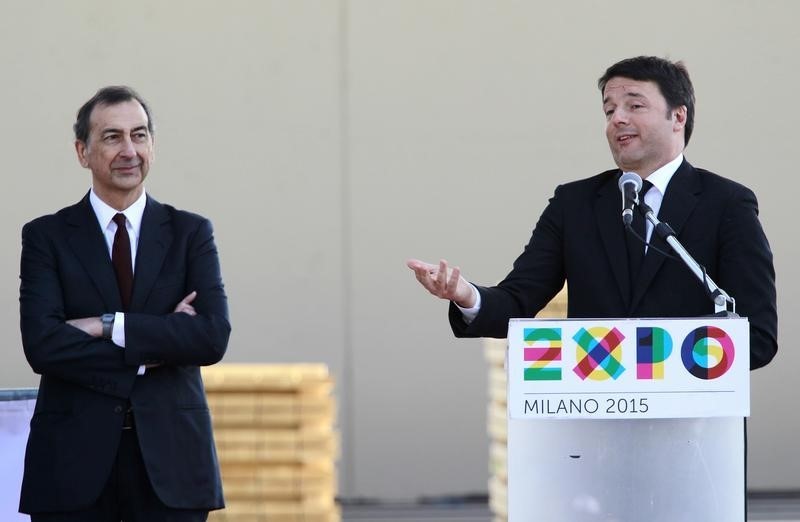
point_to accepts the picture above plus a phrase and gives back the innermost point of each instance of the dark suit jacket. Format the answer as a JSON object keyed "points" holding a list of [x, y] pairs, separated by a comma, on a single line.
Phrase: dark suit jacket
{"points": [[580, 238], [87, 382]]}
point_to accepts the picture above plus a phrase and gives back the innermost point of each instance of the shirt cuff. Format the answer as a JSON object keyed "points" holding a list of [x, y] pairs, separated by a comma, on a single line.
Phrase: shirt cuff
{"points": [[118, 330], [470, 314]]}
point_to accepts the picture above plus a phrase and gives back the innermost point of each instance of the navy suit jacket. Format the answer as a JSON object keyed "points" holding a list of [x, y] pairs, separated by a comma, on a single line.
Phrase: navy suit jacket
{"points": [[87, 382], [580, 238]]}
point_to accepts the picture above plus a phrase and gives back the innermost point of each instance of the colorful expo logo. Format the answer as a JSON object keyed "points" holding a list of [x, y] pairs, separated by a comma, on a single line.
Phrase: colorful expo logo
{"points": [[706, 352]]}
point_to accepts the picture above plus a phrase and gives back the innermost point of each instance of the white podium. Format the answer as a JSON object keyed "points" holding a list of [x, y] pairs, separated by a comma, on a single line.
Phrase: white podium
{"points": [[627, 420]]}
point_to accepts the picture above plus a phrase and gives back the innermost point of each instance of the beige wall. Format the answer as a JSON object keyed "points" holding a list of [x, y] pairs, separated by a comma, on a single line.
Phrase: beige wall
{"points": [[329, 141]]}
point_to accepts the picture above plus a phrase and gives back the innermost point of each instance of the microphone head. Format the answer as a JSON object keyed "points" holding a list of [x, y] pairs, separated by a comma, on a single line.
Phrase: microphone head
{"points": [[630, 177]]}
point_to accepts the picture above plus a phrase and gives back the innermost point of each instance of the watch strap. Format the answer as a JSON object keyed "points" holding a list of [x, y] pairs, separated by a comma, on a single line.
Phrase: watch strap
{"points": [[108, 325]]}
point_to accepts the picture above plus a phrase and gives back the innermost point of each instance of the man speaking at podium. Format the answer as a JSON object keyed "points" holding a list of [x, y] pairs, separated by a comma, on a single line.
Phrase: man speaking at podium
{"points": [[580, 238], [121, 301]]}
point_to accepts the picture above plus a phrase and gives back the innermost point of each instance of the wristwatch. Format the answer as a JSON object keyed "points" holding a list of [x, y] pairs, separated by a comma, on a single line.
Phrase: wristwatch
{"points": [[108, 325]]}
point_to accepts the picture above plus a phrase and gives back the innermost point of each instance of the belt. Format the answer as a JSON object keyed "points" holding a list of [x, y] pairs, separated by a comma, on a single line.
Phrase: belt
{"points": [[127, 422]]}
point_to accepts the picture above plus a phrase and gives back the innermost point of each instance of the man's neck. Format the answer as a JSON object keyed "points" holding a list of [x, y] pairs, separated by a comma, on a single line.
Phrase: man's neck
{"points": [[120, 201]]}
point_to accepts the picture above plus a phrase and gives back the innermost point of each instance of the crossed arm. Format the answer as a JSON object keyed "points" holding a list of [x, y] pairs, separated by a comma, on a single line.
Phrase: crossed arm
{"points": [[94, 326]]}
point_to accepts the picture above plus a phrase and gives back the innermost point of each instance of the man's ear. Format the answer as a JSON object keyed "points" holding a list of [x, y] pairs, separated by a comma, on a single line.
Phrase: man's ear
{"points": [[80, 150], [679, 118]]}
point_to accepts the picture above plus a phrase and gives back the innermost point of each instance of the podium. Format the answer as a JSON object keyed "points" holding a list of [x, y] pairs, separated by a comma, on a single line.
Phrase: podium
{"points": [[627, 420]]}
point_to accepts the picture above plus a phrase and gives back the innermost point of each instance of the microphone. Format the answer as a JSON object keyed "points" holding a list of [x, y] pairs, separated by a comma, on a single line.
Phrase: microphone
{"points": [[629, 185]]}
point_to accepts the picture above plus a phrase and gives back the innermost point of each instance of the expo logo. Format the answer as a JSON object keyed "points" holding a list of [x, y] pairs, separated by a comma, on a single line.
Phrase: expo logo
{"points": [[706, 353]]}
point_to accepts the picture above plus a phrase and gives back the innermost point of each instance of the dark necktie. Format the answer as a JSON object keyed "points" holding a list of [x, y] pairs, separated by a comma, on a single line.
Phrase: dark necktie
{"points": [[121, 259], [635, 245]]}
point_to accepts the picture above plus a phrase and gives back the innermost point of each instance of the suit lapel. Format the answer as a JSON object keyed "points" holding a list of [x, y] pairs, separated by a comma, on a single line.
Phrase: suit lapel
{"points": [[155, 238], [89, 246], [612, 233], [681, 198]]}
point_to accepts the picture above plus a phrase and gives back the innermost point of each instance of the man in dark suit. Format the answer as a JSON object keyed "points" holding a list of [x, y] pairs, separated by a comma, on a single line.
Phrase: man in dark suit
{"points": [[121, 302], [580, 238]]}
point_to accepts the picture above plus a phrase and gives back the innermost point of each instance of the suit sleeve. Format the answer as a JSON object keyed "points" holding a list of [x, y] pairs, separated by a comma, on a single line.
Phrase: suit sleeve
{"points": [[536, 277], [178, 338], [53, 347], [746, 272]]}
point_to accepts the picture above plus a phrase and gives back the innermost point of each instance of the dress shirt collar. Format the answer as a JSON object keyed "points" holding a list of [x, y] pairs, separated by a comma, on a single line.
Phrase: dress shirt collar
{"points": [[661, 176], [105, 213]]}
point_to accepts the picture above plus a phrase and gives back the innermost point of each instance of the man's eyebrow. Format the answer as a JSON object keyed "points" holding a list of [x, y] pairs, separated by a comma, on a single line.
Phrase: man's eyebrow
{"points": [[113, 130], [628, 94]]}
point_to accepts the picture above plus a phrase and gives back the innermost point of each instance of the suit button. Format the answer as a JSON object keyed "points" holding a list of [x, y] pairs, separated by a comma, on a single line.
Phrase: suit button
{"points": [[117, 409]]}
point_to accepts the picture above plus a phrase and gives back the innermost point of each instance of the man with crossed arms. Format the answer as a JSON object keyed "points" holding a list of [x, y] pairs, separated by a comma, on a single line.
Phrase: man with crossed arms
{"points": [[121, 302]]}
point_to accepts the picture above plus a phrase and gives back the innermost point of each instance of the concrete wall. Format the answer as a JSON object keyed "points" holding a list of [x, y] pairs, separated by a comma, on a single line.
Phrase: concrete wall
{"points": [[330, 140]]}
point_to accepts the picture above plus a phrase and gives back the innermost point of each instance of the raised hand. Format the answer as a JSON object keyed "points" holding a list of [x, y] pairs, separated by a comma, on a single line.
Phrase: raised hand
{"points": [[443, 282]]}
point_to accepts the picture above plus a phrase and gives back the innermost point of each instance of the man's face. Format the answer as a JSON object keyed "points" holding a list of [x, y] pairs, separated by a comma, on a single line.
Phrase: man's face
{"points": [[119, 150], [642, 132]]}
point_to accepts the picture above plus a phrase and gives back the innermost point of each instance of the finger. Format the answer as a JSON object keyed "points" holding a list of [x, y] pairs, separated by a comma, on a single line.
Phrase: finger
{"points": [[441, 277], [452, 282], [186, 309], [420, 268], [189, 298], [416, 264], [424, 272]]}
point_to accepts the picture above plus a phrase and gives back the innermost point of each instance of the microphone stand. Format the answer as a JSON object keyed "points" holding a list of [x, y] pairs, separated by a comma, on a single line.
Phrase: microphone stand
{"points": [[720, 298]]}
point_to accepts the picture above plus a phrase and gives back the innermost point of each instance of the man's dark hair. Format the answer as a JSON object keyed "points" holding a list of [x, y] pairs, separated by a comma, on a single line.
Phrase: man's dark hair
{"points": [[672, 79], [111, 95]]}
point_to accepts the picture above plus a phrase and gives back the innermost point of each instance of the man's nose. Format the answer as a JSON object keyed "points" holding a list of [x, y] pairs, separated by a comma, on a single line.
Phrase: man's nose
{"points": [[620, 116], [126, 147]]}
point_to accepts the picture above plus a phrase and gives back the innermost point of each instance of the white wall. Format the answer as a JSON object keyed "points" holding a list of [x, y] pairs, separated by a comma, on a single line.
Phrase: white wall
{"points": [[330, 140]]}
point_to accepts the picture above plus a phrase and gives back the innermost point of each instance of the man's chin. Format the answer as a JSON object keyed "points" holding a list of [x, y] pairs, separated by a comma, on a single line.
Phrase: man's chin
{"points": [[128, 183], [626, 163], [127, 177]]}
